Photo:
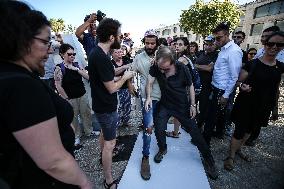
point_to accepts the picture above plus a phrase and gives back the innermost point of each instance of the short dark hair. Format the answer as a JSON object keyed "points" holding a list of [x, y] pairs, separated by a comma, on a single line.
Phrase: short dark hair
{"points": [[21, 24], [241, 32], [279, 33], [224, 26], [272, 29], [151, 36], [64, 48], [163, 41], [251, 49], [106, 28]]}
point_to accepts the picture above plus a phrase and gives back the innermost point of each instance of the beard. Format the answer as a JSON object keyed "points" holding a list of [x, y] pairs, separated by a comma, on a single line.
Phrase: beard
{"points": [[115, 45], [149, 51]]}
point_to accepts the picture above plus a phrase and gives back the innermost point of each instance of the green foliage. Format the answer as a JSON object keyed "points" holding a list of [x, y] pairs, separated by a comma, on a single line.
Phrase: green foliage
{"points": [[57, 25], [70, 29], [202, 17]]}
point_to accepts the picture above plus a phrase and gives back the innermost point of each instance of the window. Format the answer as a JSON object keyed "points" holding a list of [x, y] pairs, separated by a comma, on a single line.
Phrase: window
{"points": [[158, 32], [175, 29], [280, 24], [166, 32], [270, 9], [181, 29], [181, 35], [256, 29], [242, 17]]}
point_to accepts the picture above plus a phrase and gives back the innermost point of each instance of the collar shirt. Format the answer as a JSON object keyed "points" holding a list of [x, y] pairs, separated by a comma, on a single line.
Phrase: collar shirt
{"points": [[142, 64], [227, 68], [279, 57]]}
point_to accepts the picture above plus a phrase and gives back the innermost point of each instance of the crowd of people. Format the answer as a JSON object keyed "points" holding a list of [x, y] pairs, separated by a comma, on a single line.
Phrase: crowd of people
{"points": [[44, 109]]}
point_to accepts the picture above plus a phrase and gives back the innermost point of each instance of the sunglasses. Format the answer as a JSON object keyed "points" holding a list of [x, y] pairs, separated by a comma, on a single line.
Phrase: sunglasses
{"points": [[45, 42], [272, 44], [237, 37], [70, 54], [252, 53]]}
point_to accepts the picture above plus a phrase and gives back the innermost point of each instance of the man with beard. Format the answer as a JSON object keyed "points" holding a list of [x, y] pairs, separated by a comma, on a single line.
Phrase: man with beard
{"points": [[88, 40], [142, 64], [104, 91]]}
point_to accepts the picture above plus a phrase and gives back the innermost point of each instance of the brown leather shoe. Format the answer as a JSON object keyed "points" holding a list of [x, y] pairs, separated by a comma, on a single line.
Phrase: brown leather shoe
{"points": [[145, 168]]}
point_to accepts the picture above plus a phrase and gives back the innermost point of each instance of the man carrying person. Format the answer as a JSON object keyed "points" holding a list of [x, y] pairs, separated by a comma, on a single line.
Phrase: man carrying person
{"points": [[104, 91], [225, 75], [141, 64], [174, 80]]}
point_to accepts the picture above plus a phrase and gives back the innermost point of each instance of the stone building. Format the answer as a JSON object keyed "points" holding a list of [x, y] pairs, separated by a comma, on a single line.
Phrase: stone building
{"points": [[259, 15]]}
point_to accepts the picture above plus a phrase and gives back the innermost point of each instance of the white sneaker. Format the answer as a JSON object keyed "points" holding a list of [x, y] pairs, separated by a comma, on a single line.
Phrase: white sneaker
{"points": [[77, 141]]}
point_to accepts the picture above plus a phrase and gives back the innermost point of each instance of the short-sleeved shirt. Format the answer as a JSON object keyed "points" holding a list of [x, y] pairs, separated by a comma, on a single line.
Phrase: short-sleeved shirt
{"points": [[88, 42], [124, 62], [101, 70], [173, 89], [24, 102]]}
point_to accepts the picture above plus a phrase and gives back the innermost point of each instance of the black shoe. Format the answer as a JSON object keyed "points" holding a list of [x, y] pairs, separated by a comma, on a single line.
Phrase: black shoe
{"points": [[250, 143], [210, 169], [159, 156]]}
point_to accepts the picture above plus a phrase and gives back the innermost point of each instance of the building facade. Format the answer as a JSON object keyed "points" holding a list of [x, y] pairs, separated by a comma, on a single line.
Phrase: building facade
{"points": [[259, 15]]}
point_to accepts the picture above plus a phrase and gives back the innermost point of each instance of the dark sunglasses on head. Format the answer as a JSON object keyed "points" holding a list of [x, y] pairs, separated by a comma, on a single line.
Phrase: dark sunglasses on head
{"points": [[252, 53], [70, 54], [237, 37], [272, 44]]}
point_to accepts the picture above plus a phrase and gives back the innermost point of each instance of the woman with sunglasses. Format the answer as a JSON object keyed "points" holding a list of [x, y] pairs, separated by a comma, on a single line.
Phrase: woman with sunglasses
{"points": [[251, 53], [258, 84], [68, 81], [36, 137]]}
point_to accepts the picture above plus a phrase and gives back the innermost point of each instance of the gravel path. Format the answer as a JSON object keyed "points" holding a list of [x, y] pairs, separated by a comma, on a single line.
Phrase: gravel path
{"points": [[266, 171]]}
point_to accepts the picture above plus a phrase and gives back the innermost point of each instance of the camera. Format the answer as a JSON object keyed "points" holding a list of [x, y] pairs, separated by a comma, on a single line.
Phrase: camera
{"points": [[100, 15]]}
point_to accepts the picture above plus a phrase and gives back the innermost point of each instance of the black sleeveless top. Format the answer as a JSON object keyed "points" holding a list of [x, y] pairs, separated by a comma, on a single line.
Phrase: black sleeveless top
{"points": [[72, 83]]}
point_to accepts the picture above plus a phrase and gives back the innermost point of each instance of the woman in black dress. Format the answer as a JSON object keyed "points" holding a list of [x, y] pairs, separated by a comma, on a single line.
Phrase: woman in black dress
{"points": [[257, 95], [36, 138]]}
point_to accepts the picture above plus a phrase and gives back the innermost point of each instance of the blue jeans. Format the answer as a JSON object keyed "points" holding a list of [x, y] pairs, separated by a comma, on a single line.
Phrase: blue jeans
{"points": [[148, 122]]}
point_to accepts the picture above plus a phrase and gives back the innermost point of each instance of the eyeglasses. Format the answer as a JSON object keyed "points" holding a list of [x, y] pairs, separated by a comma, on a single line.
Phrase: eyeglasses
{"points": [[272, 44], [70, 54], [252, 53], [237, 37], [46, 42]]}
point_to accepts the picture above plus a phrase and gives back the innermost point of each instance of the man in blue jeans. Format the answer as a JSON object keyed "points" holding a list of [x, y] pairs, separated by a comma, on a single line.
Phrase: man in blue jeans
{"points": [[141, 64], [175, 83]]}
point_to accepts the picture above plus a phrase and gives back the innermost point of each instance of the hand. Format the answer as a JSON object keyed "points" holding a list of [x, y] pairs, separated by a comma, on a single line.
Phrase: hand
{"points": [[192, 112], [128, 74], [148, 104], [223, 101], [71, 67], [87, 185], [131, 89], [245, 87], [92, 18]]}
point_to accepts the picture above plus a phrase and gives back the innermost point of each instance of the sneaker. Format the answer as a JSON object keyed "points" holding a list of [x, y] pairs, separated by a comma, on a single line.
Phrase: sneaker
{"points": [[159, 156], [210, 168], [145, 168]]}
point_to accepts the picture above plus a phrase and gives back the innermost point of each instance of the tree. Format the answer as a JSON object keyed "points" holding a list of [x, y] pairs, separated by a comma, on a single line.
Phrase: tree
{"points": [[57, 25], [202, 17], [70, 28]]}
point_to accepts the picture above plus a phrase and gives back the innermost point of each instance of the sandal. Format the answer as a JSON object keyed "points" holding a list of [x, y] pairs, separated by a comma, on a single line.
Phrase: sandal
{"points": [[172, 134], [229, 163], [243, 156], [108, 186]]}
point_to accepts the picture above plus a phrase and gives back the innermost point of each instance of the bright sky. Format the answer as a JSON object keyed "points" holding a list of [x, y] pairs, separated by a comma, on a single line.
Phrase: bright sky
{"points": [[136, 16]]}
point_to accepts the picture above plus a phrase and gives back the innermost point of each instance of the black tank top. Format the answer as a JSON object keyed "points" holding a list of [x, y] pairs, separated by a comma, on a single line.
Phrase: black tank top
{"points": [[72, 84]]}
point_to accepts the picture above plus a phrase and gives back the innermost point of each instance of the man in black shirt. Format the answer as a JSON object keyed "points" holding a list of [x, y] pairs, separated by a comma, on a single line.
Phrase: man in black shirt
{"points": [[104, 90], [173, 80], [205, 64]]}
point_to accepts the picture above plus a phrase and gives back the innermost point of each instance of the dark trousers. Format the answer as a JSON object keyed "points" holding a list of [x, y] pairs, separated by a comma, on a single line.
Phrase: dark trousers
{"points": [[203, 99], [161, 119], [215, 117]]}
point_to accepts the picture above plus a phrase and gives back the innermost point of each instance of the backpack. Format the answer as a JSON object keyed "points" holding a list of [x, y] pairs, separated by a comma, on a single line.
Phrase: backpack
{"points": [[195, 77], [63, 69]]}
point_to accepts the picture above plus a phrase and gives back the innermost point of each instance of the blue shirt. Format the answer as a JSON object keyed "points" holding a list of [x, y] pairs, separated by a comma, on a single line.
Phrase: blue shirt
{"points": [[227, 68], [88, 42]]}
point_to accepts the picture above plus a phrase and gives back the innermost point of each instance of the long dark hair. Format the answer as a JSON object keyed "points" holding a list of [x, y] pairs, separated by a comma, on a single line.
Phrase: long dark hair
{"points": [[186, 43], [19, 24]]}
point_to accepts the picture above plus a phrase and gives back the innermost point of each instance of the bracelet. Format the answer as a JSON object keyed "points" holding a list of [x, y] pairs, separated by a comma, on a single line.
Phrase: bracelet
{"points": [[193, 105], [241, 85]]}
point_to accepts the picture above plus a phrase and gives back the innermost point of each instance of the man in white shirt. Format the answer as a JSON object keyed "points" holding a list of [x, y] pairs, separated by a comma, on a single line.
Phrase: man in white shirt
{"points": [[225, 75]]}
